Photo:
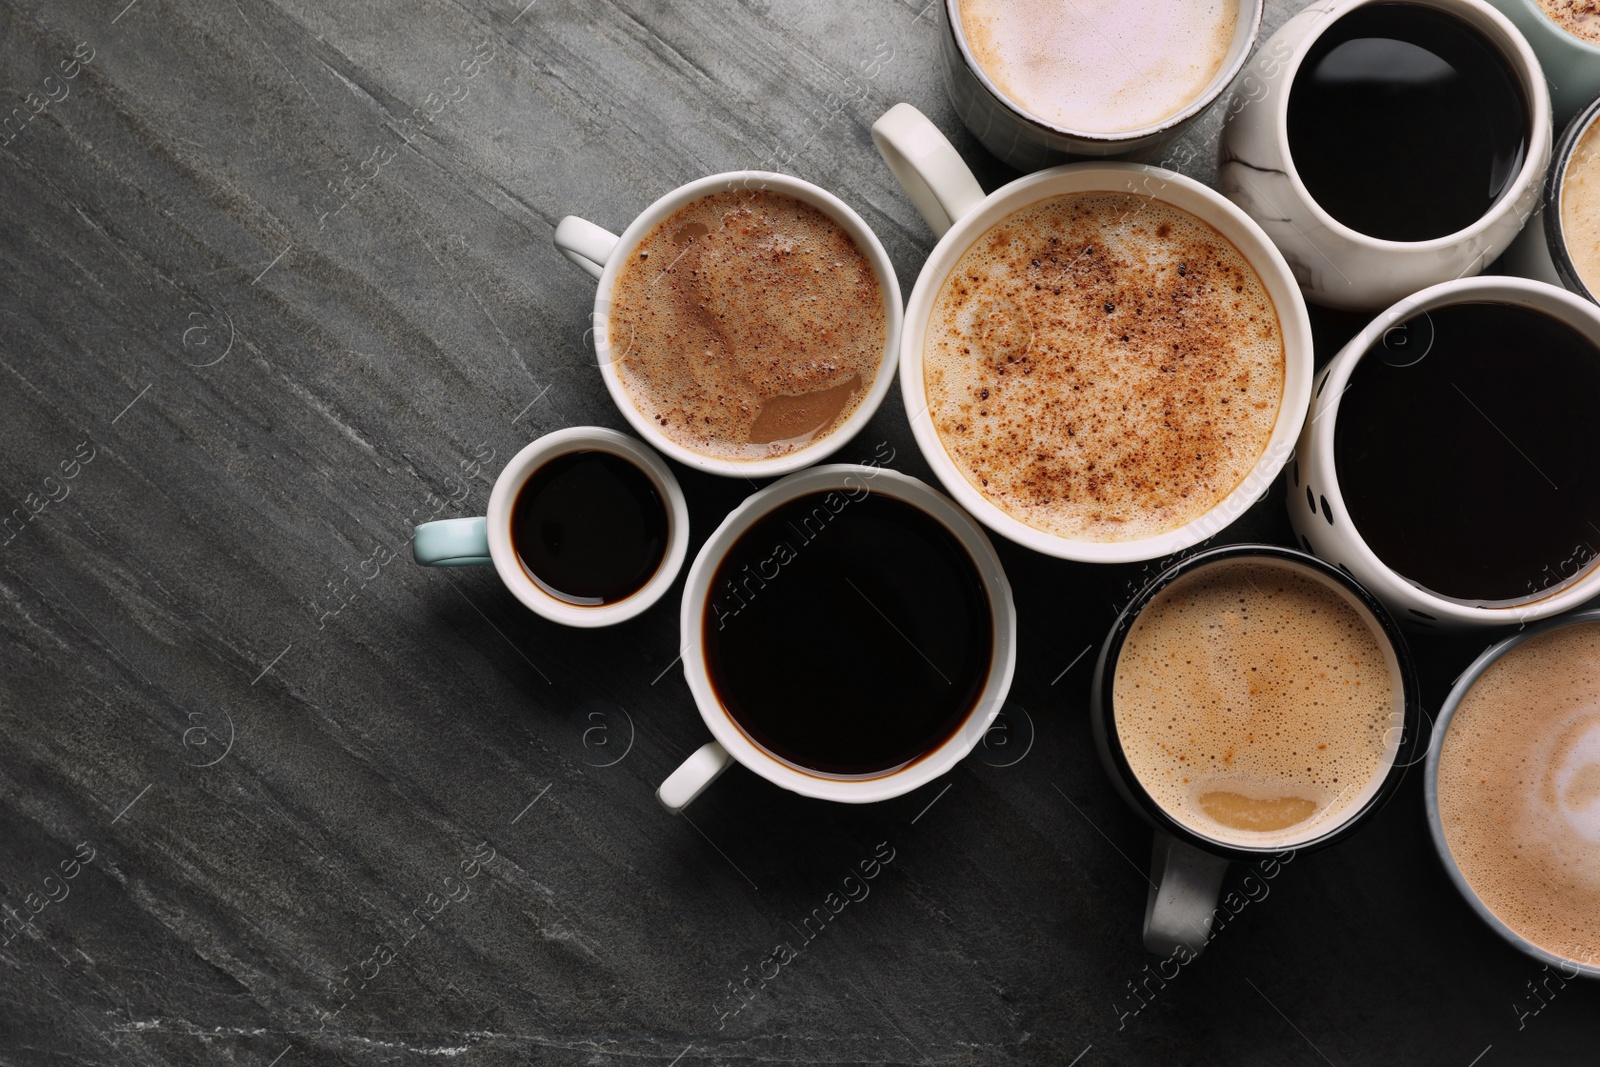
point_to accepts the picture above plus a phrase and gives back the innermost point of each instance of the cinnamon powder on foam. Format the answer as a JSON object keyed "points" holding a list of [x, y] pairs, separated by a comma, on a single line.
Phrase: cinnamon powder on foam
{"points": [[747, 325], [1104, 366]]}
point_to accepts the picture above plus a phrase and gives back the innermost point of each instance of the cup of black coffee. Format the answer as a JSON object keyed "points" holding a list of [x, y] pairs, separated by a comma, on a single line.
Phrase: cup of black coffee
{"points": [[1388, 146], [586, 526], [1447, 463], [848, 634]]}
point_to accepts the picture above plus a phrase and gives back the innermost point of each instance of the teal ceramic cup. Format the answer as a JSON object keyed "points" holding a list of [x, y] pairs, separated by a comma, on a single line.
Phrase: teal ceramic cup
{"points": [[485, 541], [1571, 64]]}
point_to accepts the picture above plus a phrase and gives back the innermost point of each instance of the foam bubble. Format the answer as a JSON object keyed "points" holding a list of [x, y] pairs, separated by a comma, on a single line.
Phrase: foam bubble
{"points": [[750, 325], [1519, 790], [1253, 703], [1104, 366], [1100, 68]]}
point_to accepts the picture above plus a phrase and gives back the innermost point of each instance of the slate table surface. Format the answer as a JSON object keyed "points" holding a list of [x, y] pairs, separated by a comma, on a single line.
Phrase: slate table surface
{"points": [[277, 283]]}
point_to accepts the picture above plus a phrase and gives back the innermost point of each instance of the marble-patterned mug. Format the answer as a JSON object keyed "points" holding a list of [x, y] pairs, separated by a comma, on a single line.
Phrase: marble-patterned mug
{"points": [[1335, 264]]}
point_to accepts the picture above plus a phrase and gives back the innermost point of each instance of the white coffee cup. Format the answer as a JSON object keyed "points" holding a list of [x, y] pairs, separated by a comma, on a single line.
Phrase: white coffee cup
{"points": [[956, 209], [1316, 505], [486, 540], [730, 744], [601, 253], [1338, 266]]}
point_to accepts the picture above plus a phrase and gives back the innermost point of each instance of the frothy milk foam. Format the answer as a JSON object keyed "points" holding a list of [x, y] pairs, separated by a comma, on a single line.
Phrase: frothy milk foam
{"points": [[1100, 68], [1581, 18], [1104, 366], [1256, 704], [1580, 206], [747, 325], [1519, 790]]}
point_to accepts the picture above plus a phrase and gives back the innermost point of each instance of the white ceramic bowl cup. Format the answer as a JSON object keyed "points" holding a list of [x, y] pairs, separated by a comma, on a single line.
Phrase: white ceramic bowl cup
{"points": [[1317, 509], [705, 765], [1338, 266], [954, 206], [600, 253]]}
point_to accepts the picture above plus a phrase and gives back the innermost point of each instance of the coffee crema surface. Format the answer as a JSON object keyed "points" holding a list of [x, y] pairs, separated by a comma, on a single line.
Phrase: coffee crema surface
{"points": [[1099, 69], [1581, 18], [748, 324], [1519, 790], [1580, 206], [1104, 366], [1253, 703]]}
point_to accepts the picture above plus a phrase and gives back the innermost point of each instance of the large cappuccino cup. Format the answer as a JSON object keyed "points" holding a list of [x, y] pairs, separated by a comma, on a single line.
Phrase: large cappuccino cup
{"points": [[1232, 671], [948, 197]]}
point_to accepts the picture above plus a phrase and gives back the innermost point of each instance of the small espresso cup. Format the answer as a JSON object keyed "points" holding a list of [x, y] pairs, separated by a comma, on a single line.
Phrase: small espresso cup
{"points": [[1337, 265], [487, 540], [841, 486], [1544, 808], [1542, 250], [600, 253], [950, 200], [1190, 856], [1317, 505], [1026, 141], [1571, 63]]}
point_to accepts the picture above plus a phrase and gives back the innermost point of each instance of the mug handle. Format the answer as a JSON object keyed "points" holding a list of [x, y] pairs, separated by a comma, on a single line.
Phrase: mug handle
{"points": [[1184, 885], [691, 779], [452, 543], [927, 167], [585, 244]]}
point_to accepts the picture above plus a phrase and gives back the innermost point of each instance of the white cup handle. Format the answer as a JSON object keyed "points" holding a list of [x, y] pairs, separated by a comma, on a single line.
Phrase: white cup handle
{"points": [[1185, 884], [927, 166], [691, 779], [585, 244]]}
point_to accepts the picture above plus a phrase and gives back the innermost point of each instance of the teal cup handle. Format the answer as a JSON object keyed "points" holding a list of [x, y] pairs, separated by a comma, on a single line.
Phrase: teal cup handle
{"points": [[452, 543]]}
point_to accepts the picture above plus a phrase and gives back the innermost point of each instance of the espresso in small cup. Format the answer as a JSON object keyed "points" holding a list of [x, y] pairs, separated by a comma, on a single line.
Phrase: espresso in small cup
{"points": [[1406, 123], [848, 633], [590, 528], [1254, 704], [585, 526], [1101, 68], [1518, 790], [747, 325], [1458, 458], [1104, 366]]}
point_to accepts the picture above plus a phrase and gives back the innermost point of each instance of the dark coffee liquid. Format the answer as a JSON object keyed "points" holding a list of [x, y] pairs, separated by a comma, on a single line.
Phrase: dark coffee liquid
{"points": [[590, 528], [848, 636], [1406, 123], [1474, 471]]}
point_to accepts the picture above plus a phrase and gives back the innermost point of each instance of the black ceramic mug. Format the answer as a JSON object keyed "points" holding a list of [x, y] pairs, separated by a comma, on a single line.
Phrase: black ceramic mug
{"points": [[1250, 702]]}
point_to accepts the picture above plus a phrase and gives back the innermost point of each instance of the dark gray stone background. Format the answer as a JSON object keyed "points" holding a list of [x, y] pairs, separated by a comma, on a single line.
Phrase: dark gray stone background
{"points": [[283, 743]]}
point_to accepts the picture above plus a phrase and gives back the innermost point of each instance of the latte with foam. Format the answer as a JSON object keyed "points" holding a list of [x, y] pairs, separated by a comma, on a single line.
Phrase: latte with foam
{"points": [[1255, 703], [1580, 206], [1099, 68], [1104, 366], [747, 325], [1519, 790]]}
